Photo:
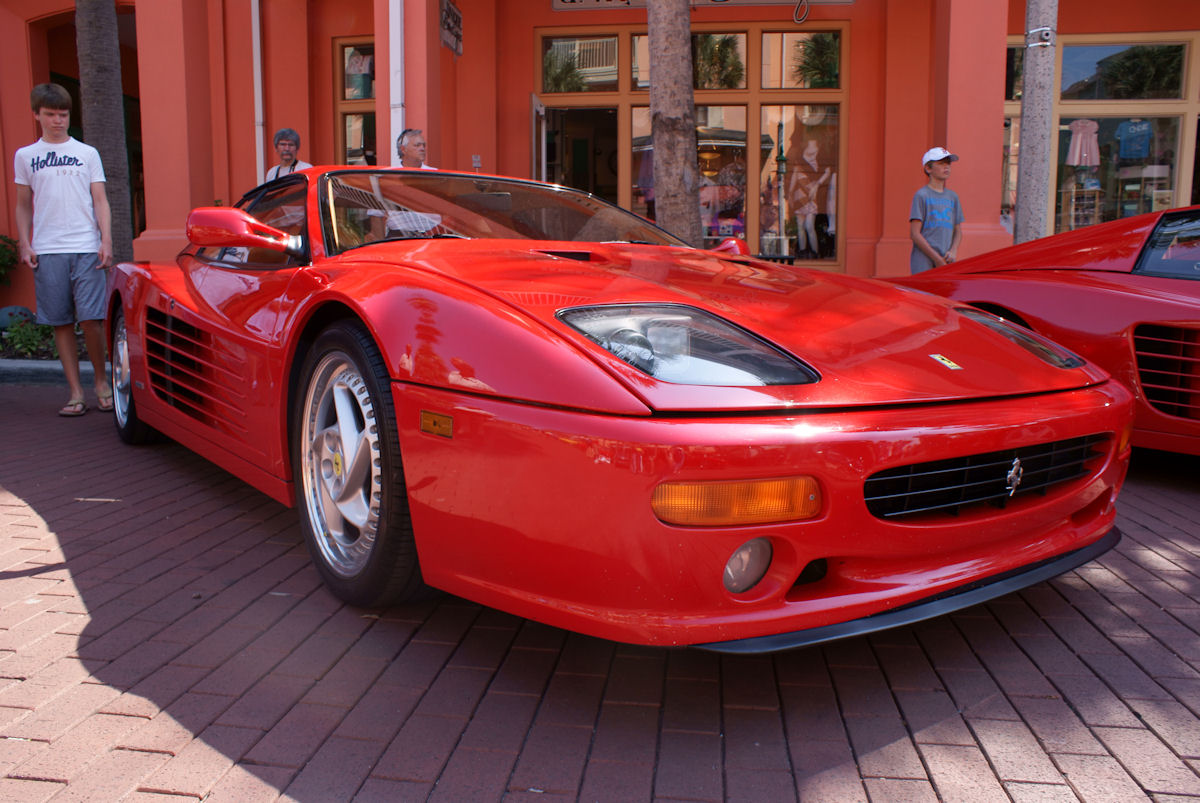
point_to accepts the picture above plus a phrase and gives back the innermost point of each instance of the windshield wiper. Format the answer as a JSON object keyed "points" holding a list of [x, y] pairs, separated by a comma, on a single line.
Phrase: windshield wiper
{"points": [[396, 237]]}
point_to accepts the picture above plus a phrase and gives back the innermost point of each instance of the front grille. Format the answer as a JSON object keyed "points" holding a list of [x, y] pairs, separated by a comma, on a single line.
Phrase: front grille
{"points": [[955, 486], [1168, 361]]}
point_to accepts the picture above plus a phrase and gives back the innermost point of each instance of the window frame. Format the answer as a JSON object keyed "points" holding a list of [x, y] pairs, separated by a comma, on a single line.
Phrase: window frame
{"points": [[342, 107], [753, 97]]}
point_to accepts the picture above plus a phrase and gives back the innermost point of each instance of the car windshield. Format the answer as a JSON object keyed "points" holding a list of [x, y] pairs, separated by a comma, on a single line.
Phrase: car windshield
{"points": [[360, 207], [1174, 247]]}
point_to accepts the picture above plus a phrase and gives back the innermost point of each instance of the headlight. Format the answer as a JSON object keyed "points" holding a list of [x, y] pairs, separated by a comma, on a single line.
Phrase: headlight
{"points": [[1041, 347], [686, 346]]}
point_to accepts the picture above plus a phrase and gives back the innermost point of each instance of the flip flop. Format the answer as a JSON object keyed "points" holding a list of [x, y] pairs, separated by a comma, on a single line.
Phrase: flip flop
{"points": [[105, 405], [75, 407]]}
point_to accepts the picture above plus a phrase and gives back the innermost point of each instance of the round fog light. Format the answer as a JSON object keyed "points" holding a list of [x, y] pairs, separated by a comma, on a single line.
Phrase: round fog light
{"points": [[747, 565]]}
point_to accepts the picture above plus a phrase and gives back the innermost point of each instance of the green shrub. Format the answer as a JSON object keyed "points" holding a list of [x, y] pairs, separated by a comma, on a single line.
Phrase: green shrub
{"points": [[31, 339]]}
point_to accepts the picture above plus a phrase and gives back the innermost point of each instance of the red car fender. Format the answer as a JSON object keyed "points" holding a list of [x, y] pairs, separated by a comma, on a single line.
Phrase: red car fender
{"points": [[439, 333]]}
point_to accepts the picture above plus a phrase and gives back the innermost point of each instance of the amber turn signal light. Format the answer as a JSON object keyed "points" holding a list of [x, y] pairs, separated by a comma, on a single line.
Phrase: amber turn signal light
{"points": [[737, 502]]}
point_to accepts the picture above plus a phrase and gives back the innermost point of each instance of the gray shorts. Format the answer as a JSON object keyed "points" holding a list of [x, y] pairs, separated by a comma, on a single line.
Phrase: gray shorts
{"points": [[69, 288]]}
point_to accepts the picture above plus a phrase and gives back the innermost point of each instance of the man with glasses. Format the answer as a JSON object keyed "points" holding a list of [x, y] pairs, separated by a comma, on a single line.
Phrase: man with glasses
{"points": [[287, 145]]}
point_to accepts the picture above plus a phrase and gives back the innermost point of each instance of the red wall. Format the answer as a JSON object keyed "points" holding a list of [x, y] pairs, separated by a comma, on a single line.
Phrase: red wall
{"points": [[918, 73]]}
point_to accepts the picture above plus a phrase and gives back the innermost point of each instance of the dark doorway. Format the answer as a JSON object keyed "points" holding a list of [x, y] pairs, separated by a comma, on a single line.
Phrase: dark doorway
{"points": [[581, 150]]}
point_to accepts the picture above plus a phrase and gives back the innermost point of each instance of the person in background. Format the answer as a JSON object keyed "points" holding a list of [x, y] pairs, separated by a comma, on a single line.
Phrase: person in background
{"points": [[410, 147], [64, 233], [287, 146], [935, 220]]}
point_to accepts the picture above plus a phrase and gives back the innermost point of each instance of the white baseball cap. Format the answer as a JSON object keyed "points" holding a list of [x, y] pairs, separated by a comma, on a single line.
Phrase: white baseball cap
{"points": [[936, 155]]}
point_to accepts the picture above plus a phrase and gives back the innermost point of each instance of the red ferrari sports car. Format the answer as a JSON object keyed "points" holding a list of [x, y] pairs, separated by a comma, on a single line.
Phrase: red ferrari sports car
{"points": [[1125, 295], [523, 395]]}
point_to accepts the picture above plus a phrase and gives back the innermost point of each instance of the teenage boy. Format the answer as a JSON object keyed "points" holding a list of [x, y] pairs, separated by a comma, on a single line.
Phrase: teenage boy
{"points": [[64, 232], [935, 220]]}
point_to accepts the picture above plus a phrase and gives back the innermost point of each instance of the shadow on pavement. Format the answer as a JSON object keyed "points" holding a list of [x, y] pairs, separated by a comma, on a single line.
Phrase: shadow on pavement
{"points": [[162, 631]]}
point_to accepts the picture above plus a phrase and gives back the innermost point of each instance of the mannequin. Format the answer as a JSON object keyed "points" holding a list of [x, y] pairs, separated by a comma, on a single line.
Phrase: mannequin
{"points": [[809, 192]]}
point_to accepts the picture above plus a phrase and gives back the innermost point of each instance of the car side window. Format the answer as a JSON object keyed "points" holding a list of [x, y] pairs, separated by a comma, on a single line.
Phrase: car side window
{"points": [[281, 207], [1173, 249]]}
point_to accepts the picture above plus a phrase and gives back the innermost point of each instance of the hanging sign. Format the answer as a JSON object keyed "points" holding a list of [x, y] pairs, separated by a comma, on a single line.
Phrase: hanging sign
{"points": [[452, 27], [577, 5]]}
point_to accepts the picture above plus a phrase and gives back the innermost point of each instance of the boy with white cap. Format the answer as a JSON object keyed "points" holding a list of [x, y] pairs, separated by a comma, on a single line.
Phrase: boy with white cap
{"points": [[935, 221]]}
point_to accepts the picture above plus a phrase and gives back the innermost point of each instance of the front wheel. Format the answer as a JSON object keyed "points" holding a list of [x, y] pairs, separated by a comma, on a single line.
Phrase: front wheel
{"points": [[130, 427], [349, 480]]}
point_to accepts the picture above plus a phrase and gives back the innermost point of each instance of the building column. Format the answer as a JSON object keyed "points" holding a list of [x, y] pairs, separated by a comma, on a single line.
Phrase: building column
{"points": [[969, 92], [176, 92], [19, 64], [907, 125], [944, 79]]}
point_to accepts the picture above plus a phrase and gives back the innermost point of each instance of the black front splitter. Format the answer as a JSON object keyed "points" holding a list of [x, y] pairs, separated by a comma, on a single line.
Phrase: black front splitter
{"points": [[953, 600]]}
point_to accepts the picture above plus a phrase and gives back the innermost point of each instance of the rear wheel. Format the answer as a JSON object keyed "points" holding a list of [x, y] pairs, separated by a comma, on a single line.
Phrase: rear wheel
{"points": [[349, 480], [131, 428]]}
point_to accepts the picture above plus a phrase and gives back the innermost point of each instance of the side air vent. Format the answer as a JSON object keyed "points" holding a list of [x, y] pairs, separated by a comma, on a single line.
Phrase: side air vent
{"points": [[188, 373], [1168, 362]]}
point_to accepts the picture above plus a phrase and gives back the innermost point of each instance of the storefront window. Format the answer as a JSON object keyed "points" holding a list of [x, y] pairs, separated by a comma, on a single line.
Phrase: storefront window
{"points": [[718, 61], [801, 60], [579, 64], [798, 183], [743, 95], [721, 157], [1122, 72], [1115, 167]]}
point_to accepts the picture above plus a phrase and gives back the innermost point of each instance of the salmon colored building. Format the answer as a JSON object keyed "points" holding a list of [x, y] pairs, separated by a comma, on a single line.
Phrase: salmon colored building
{"points": [[812, 116]]}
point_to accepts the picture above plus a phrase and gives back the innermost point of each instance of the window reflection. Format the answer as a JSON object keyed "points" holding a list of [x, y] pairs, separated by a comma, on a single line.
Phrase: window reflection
{"points": [[1008, 181], [358, 69], [801, 60], [1114, 167], [718, 61], [359, 136], [798, 184], [1014, 73], [579, 64], [1122, 72], [721, 157]]}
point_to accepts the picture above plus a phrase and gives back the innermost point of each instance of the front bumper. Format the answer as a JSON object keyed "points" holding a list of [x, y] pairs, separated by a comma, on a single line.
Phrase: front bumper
{"points": [[545, 513]]}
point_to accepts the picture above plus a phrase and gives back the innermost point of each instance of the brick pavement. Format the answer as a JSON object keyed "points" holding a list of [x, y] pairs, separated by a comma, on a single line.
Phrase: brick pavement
{"points": [[163, 637]]}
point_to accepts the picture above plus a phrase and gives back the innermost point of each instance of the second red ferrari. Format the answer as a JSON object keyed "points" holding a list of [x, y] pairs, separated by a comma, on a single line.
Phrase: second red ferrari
{"points": [[1124, 295]]}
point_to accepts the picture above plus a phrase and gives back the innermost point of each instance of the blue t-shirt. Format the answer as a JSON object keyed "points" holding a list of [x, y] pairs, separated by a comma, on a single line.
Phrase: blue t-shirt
{"points": [[1134, 136], [939, 213]]}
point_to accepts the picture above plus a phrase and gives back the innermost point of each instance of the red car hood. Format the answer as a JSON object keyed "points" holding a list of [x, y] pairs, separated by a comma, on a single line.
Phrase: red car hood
{"points": [[871, 342]]}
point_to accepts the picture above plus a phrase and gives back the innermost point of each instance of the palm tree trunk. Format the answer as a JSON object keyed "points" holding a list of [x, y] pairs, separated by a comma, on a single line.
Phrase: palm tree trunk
{"points": [[103, 109], [673, 119]]}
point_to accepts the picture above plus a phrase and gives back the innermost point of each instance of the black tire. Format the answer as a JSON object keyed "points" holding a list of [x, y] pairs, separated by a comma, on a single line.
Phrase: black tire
{"points": [[346, 466], [130, 428]]}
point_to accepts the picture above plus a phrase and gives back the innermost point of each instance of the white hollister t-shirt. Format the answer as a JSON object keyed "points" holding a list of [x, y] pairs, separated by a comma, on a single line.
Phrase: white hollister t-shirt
{"points": [[61, 175]]}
